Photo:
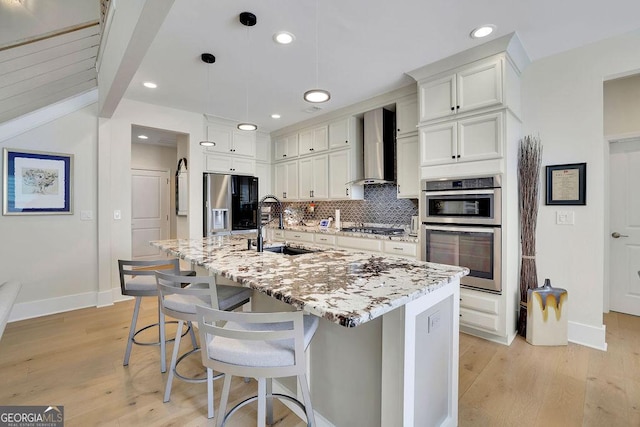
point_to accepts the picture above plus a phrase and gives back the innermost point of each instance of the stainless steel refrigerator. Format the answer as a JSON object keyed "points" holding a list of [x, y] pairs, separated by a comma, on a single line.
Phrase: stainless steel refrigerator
{"points": [[230, 204]]}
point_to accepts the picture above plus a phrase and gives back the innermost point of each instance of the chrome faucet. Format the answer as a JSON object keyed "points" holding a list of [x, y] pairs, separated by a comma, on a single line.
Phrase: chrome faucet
{"points": [[259, 240]]}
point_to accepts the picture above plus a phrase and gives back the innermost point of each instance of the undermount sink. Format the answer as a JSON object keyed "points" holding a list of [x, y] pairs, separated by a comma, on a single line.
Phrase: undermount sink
{"points": [[288, 250]]}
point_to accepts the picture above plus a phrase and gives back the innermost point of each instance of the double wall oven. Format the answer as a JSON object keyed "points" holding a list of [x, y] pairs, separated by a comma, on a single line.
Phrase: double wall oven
{"points": [[461, 225]]}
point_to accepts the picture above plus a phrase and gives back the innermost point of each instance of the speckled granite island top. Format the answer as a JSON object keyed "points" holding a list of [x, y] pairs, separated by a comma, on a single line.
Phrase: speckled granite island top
{"points": [[345, 287]]}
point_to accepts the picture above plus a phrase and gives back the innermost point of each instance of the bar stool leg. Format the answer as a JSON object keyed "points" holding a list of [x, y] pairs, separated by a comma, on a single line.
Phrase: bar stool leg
{"points": [[269, 392], [193, 336], [306, 397], [222, 409], [174, 358], [262, 404], [132, 331], [163, 343]]}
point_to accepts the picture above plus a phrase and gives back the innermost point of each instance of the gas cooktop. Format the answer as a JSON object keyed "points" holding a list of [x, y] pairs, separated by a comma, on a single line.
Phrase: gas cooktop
{"points": [[374, 230]]}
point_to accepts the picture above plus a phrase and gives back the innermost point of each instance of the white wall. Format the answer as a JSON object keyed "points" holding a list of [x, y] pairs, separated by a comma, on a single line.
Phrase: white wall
{"points": [[622, 106], [563, 103], [115, 183], [55, 256]]}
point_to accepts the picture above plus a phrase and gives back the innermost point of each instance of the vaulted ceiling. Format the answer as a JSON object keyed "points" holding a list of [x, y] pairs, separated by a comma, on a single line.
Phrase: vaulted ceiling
{"points": [[356, 49]]}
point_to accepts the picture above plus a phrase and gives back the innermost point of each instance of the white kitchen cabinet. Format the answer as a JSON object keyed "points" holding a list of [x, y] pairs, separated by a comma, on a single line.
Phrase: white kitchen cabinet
{"points": [[324, 239], [342, 133], [263, 172], [480, 310], [229, 141], [263, 147], [286, 180], [314, 140], [229, 165], [286, 147], [298, 236], [474, 138], [364, 244], [408, 167], [407, 116], [343, 168], [314, 178], [403, 249], [472, 87]]}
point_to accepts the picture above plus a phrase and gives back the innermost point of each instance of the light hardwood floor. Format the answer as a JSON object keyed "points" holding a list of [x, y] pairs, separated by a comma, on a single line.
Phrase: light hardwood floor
{"points": [[75, 359]]}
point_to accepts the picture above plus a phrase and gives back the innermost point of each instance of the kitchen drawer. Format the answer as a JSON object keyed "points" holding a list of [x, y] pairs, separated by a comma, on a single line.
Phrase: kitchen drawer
{"points": [[324, 239], [476, 319], [479, 301], [277, 234], [298, 236], [400, 248], [362, 244]]}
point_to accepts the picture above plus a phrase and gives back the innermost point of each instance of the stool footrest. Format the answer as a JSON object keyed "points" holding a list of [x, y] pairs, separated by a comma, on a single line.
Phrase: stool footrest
{"points": [[192, 379], [153, 325], [254, 398]]}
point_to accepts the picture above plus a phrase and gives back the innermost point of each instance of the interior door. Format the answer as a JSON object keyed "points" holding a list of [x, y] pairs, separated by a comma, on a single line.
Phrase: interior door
{"points": [[149, 211], [624, 231]]}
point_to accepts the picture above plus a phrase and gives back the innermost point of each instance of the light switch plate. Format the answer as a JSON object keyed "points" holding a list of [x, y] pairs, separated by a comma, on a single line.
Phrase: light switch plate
{"points": [[117, 214], [565, 217]]}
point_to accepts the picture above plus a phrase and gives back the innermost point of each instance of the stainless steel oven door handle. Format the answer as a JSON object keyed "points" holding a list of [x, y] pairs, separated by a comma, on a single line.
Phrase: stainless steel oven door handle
{"points": [[460, 229], [460, 192]]}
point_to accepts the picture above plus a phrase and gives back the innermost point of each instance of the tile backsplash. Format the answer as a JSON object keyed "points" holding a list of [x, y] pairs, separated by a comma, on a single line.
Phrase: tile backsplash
{"points": [[380, 206]]}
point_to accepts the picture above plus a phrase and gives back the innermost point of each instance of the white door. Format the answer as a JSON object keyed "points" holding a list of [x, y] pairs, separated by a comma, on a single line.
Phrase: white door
{"points": [[150, 192], [624, 231]]}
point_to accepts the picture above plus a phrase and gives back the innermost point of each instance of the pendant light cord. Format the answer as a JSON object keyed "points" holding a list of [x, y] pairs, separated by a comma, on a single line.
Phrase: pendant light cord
{"points": [[317, 48]]}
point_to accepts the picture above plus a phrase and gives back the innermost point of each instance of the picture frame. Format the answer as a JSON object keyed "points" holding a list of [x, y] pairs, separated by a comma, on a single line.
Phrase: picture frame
{"points": [[566, 184], [36, 183]]}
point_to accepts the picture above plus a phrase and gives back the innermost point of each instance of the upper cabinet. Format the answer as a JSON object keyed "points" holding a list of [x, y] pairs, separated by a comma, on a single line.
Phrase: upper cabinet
{"points": [[286, 147], [407, 116], [229, 141], [475, 86], [313, 140], [342, 133], [229, 165], [263, 147], [408, 167]]}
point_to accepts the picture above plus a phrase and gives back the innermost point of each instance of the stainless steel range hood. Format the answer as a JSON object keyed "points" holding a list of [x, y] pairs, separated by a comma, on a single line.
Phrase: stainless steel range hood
{"points": [[379, 148]]}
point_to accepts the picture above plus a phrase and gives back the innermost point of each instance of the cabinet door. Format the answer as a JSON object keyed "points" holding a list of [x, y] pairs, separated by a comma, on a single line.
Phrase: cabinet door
{"points": [[218, 163], [280, 149], [306, 178], [340, 133], [408, 167], [243, 167], [244, 143], [292, 180], [280, 180], [320, 177], [292, 145], [221, 137], [479, 85], [263, 143], [407, 116], [437, 98], [341, 171], [480, 138], [263, 172], [438, 144], [286, 147], [305, 142]]}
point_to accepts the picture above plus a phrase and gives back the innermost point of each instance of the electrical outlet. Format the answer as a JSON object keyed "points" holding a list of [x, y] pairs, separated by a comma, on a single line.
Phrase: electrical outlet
{"points": [[434, 321], [565, 217]]}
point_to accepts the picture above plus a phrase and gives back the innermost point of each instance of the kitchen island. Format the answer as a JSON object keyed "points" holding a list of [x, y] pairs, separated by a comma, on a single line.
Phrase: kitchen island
{"points": [[387, 354]]}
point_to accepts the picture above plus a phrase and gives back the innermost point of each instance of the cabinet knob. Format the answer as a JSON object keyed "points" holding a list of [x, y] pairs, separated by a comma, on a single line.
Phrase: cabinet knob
{"points": [[453, 157], [346, 191], [284, 155], [310, 149], [398, 129], [452, 108], [457, 107], [346, 142], [458, 156]]}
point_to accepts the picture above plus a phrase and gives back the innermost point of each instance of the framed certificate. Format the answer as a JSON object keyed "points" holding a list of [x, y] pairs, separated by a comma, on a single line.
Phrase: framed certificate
{"points": [[567, 184]]}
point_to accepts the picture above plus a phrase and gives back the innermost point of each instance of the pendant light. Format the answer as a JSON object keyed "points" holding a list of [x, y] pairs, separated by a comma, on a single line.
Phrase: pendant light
{"points": [[317, 95], [247, 19], [209, 59]]}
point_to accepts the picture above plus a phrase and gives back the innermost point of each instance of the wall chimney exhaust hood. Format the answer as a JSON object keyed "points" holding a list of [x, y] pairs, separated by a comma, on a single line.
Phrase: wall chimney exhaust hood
{"points": [[379, 148]]}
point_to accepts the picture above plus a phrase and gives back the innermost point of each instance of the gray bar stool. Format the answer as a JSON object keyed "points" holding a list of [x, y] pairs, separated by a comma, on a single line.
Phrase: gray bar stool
{"points": [[259, 345], [138, 279], [179, 301]]}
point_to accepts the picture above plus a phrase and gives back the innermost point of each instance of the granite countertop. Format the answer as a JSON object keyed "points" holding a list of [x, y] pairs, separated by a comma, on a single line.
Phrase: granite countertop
{"points": [[343, 286]]}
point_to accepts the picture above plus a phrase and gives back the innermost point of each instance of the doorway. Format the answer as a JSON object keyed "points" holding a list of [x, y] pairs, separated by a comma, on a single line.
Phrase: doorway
{"points": [[624, 222]]}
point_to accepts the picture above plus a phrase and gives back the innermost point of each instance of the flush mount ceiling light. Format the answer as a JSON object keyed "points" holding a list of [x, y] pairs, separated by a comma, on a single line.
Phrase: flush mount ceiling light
{"points": [[482, 31], [283, 37], [247, 19], [207, 58], [143, 137], [317, 95], [150, 85]]}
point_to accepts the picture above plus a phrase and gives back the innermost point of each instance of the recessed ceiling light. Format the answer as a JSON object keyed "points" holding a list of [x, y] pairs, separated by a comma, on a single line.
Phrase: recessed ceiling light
{"points": [[482, 31], [143, 137], [247, 126], [317, 95], [150, 85], [283, 37], [275, 116]]}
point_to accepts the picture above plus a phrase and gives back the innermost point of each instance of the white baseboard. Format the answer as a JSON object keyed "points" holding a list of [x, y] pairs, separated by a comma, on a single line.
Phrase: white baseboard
{"points": [[589, 336], [31, 309]]}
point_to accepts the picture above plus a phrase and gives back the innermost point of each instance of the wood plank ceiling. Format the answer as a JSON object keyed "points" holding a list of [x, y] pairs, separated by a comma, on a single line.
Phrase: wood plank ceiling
{"points": [[48, 68]]}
